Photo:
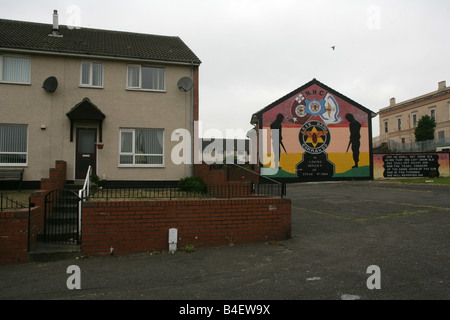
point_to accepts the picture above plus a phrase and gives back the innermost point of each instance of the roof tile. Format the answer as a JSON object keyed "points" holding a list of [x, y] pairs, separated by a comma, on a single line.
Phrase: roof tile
{"points": [[35, 36]]}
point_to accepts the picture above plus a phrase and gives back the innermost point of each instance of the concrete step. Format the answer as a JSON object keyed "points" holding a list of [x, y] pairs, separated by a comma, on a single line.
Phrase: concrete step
{"points": [[59, 236], [74, 185], [45, 252]]}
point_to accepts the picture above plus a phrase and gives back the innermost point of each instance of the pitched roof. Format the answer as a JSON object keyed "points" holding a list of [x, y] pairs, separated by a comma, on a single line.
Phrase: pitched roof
{"points": [[440, 93], [258, 114], [86, 41]]}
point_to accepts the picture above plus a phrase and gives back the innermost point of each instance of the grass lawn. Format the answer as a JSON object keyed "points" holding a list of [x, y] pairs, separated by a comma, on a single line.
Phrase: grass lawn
{"points": [[18, 196], [441, 180]]}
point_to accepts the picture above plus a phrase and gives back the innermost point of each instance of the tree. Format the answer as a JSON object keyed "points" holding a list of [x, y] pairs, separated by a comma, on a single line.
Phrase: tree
{"points": [[425, 129]]}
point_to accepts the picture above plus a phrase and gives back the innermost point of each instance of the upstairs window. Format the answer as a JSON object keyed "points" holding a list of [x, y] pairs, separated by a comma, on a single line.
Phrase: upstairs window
{"points": [[91, 74], [433, 114], [145, 78], [13, 144], [15, 70], [414, 120]]}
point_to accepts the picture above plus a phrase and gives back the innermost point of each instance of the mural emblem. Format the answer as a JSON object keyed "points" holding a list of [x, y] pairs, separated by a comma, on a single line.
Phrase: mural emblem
{"points": [[300, 111], [327, 109], [314, 137], [315, 107]]}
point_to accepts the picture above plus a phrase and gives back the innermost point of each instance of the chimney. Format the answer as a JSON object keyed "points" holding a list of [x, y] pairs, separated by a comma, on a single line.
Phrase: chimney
{"points": [[55, 30], [442, 85], [392, 102]]}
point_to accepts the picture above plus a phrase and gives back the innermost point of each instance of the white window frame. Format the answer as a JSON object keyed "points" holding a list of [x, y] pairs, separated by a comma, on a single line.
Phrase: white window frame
{"points": [[91, 73], [433, 110], [13, 82], [25, 164], [399, 124], [448, 104], [139, 86], [133, 151], [414, 123]]}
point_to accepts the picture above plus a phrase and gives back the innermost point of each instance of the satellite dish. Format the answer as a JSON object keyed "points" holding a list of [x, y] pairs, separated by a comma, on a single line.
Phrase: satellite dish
{"points": [[185, 84], [50, 84]]}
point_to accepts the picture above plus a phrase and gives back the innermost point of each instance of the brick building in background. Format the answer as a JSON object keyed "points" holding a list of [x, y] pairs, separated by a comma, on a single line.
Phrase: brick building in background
{"points": [[399, 120]]}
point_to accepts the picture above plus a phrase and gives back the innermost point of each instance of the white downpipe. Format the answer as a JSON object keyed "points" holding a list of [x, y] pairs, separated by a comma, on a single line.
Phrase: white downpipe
{"points": [[83, 194]]}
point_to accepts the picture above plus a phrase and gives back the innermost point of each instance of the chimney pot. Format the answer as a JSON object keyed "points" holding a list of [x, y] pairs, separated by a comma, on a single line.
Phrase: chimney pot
{"points": [[55, 20], [442, 85], [392, 102], [55, 30]]}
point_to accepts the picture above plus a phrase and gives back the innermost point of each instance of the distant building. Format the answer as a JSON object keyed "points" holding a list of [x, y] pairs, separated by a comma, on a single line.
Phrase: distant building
{"points": [[399, 120], [216, 150]]}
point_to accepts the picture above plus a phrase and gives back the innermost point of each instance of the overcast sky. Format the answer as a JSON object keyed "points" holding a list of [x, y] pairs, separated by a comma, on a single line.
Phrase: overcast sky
{"points": [[254, 52]]}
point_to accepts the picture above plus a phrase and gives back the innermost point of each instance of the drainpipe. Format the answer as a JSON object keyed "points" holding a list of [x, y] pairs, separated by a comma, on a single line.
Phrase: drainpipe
{"points": [[192, 120]]}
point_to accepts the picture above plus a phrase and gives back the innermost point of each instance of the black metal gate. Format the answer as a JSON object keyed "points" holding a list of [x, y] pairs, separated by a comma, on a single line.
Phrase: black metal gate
{"points": [[61, 225]]}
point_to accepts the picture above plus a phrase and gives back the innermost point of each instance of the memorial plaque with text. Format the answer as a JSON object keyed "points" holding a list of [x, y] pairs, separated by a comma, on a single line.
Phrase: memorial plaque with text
{"points": [[411, 165]]}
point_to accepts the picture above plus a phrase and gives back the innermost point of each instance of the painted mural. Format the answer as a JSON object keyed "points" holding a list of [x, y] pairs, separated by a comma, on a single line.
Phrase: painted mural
{"points": [[316, 133]]}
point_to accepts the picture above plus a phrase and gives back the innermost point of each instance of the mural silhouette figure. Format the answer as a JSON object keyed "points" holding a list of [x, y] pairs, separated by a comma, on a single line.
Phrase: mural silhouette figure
{"points": [[355, 137], [277, 143]]}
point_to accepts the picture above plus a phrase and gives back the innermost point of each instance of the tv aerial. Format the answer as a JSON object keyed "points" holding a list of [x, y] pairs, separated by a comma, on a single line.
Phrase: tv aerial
{"points": [[50, 84], [185, 84]]}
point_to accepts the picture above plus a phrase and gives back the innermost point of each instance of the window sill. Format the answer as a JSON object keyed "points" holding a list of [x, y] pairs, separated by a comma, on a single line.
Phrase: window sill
{"points": [[90, 87], [141, 166], [16, 83], [145, 90]]}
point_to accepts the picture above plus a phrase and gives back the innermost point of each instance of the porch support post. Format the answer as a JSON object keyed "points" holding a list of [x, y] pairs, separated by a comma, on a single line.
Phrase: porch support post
{"points": [[71, 130], [100, 135]]}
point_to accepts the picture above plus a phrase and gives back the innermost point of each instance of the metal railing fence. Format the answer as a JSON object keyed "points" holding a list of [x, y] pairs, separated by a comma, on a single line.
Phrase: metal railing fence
{"points": [[7, 203], [174, 193]]}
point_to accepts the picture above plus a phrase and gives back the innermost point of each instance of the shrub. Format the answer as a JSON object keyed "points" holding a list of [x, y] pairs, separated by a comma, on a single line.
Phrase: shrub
{"points": [[193, 184]]}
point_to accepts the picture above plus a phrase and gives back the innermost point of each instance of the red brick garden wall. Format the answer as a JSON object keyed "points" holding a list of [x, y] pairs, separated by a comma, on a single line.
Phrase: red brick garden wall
{"points": [[57, 177], [14, 223], [141, 226], [224, 174], [13, 236]]}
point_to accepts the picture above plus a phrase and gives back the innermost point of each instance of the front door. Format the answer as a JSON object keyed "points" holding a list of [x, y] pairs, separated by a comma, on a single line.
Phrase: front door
{"points": [[86, 152]]}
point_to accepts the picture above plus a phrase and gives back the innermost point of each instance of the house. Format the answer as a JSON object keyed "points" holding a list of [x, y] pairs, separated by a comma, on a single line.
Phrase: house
{"points": [[219, 150], [399, 120], [108, 99], [314, 133]]}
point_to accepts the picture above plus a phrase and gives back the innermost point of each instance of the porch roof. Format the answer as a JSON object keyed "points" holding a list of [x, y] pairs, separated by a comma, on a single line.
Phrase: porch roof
{"points": [[85, 110]]}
